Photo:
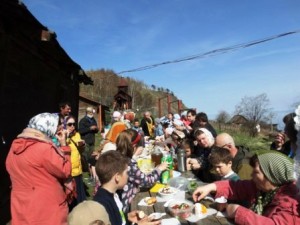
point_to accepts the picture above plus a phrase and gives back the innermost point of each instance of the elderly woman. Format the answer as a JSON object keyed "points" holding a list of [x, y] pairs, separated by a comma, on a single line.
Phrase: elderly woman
{"points": [[38, 168], [200, 164], [272, 193]]}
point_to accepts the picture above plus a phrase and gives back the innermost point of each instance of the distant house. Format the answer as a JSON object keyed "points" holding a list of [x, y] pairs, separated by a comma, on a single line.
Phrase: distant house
{"points": [[122, 100], [238, 119], [101, 111], [35, 75]]}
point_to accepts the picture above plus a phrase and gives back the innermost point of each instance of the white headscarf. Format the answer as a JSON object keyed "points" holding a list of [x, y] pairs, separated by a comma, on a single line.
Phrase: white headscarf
{"points": [[297, 157], [45, 122], [209, 136]]}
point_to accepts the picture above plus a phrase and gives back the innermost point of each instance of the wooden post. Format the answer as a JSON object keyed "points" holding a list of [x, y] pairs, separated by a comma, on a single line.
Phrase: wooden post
{"points": [[169, 103], [159, 108], [100, 117]]}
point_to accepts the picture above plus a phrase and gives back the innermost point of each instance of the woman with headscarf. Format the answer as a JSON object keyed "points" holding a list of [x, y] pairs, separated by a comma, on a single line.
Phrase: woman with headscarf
{"points": [[272, 193], [38, 169], [200, 164]]}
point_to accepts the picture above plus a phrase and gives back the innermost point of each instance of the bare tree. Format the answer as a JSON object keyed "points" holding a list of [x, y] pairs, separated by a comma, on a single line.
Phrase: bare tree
{"points": [[255, 109], [222, 117]]}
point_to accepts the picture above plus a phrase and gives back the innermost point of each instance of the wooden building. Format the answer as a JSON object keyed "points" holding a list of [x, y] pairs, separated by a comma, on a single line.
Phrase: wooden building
{"points": [[102, 111], [35, 75], [238, 119], [122, 100]]}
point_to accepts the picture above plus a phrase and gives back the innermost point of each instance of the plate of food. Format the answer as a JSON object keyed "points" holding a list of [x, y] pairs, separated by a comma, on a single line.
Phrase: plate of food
{"points": [[200, 212], [181, 209], [167, 191], [150, 201]]}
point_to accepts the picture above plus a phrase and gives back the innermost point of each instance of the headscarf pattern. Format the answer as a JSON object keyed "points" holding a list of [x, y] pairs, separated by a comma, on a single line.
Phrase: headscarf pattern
{"points": [[45, 123], [277, 167]]}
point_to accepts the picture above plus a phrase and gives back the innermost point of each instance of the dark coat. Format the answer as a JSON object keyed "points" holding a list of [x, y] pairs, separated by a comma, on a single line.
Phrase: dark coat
{"points": [[86, 133]]}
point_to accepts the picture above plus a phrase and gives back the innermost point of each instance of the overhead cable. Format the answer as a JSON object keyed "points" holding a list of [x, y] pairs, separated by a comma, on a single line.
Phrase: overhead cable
{"points": [[212, 53]]}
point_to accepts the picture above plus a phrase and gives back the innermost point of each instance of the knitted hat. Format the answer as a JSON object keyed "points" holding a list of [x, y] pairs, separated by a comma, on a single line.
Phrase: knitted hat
{"points": [[86, 212], [277, 167]]}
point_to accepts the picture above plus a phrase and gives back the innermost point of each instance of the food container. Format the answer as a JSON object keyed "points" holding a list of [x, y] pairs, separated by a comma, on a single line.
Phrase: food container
{"points": [[179, 183], [221, 203], [181, 209], [193, 184], [200, 209], [167, 192]]}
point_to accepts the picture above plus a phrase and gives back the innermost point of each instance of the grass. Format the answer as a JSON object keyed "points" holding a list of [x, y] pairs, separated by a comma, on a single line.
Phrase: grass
{"points": [[260, 142]]}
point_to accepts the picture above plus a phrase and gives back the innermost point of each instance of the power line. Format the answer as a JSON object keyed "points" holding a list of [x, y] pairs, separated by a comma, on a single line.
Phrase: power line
{"points": [[213, 52]]}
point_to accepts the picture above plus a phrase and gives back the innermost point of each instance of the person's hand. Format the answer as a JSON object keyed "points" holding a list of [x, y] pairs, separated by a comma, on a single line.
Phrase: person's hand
{"points": [[138, 150], [133, 216], [94, 127], [203, 191], [61, 137], [148, 221], [192, 164], [163, 166], [231, 210]]}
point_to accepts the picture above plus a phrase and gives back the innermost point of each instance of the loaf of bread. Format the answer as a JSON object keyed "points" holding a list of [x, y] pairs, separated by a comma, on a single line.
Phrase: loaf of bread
{"points": [[150, 201]]}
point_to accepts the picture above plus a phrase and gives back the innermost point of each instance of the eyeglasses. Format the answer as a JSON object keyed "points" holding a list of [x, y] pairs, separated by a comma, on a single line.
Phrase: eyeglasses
{"points": [[71, 124]]}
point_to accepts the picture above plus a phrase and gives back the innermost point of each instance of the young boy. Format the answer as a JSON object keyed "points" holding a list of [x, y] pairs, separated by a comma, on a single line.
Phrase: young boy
{"points": [[112, 170], [221, 160]]}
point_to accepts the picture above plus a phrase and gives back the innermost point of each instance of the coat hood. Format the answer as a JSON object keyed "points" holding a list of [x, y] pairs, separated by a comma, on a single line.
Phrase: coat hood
{"points": [[28, 138]]}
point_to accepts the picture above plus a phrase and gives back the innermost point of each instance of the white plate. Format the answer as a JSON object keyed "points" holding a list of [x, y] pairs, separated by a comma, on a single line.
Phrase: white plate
{"points": [[172, 191], [170, 221], [193, 218]]}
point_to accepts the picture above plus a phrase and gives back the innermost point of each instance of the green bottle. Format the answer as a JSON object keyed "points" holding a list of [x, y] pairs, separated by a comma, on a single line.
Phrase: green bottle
{"points": [[167, 174]]}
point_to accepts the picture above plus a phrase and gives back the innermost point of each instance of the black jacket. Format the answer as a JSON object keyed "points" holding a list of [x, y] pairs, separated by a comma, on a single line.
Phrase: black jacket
{"points": [[86, 133]]}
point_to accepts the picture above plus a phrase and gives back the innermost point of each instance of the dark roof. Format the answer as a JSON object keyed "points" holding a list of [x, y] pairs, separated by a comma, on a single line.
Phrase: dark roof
{"points": [[92, 102], [123, 82], [26, 31], [238, 119]]}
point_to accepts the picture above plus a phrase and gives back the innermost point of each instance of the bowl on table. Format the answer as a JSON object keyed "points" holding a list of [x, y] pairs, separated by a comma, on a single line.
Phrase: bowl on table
{"points": [[193, 184], [167, 192], [181, 209]]}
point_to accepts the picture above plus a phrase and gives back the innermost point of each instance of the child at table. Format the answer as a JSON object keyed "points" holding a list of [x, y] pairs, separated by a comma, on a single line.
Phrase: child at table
{"points": [[126, 145], [221, 160], [112, 170]]}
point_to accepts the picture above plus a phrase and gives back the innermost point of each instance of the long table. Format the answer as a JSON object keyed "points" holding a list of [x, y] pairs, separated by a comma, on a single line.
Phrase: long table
{"points": [[159, 207]]}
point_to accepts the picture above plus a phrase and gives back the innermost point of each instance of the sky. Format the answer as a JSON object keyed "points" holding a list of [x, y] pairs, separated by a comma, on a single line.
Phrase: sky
{"points": [[128, 34]]}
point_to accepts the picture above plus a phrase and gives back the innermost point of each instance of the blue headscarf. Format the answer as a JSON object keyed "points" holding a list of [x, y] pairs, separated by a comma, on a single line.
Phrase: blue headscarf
{"points": [[45, 122]]}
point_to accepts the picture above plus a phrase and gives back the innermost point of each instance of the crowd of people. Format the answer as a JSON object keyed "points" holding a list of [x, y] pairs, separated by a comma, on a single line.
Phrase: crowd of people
{"points": [[47, 160]]}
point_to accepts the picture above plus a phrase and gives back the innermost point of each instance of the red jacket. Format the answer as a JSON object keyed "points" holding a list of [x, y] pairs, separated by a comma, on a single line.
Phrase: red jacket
{"points": [[37, 170], [283, 210]]}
